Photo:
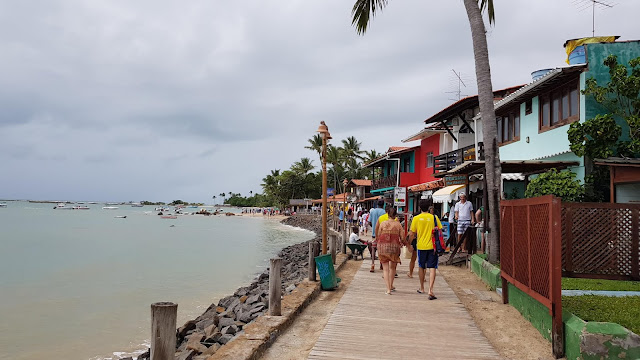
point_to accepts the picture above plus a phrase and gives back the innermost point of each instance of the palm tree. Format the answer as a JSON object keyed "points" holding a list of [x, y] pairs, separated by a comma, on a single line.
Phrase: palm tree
{"points": [[351, 148], [224, 197], [304, 166], [251, 193], [315, 144], [364, 10], [214, 199]]}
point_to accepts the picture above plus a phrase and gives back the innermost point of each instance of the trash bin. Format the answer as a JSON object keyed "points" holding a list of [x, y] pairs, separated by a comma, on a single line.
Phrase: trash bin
{"points": [[324, 264]]}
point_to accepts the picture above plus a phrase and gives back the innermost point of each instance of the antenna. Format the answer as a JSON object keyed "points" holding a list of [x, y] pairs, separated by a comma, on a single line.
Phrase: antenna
{"points": [[460, 83], [585, 4]]}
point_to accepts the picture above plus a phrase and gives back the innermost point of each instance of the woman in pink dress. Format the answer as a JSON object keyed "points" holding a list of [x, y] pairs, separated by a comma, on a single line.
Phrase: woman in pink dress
{"points": [[390, 237]]}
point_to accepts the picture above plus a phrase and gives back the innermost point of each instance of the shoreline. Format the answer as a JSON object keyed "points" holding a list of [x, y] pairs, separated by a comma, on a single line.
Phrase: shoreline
{"points": [[221, 322]]}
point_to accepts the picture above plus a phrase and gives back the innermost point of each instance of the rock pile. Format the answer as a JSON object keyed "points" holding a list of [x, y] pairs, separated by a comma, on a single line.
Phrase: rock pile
{"points": [[199, 338]]}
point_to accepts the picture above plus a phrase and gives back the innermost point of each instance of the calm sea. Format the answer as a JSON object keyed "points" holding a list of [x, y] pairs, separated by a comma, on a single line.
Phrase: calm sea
{"points": [[78, 284]]}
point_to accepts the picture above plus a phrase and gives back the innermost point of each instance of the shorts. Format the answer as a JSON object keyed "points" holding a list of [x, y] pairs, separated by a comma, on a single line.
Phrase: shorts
{"points": [[462, 226], [414, 244], [427, 259]]}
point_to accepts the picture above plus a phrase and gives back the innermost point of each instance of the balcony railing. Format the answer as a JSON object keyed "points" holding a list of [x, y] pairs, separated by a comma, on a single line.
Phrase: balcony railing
{"points": [[450, 160], [385, 182]]}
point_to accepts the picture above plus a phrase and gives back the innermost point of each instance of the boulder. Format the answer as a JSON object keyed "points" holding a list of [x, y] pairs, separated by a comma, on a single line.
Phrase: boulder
{"points": [[252, 299], [226, 301], [226, 322], [212, 349], [185, 355], [243, 298], [244, 316], [220, 309], [214, 338], [229, 330], [145, 355], [189, 325], [290, 288], [225, 339], [202, 324]]}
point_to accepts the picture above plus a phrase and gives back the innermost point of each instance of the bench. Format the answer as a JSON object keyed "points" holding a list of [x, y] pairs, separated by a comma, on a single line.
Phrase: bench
{"points": [[357, 249]]}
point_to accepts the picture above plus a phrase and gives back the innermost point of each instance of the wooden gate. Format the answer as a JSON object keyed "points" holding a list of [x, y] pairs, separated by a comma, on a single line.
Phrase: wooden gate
{"points": [[530, 256]]}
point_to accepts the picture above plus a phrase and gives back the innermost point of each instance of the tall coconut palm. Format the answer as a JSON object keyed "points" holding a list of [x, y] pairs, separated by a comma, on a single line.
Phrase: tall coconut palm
{"points": [[303, 167], [315, 144], [224, 197], [214, 199], [364, 10], [351, 148]]}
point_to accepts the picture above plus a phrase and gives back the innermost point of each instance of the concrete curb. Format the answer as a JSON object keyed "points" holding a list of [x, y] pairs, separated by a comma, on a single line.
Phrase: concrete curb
{"points": [[261, 333], [488, 273]]}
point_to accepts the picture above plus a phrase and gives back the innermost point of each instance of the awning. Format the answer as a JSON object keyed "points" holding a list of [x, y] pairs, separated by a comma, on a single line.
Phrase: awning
{"points": [[382, 190], [447, 194], [372, 198], [431, 185]]}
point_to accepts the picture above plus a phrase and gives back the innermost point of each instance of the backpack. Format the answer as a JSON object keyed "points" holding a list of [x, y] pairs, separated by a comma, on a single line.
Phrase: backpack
{"points": [[437, 238]]}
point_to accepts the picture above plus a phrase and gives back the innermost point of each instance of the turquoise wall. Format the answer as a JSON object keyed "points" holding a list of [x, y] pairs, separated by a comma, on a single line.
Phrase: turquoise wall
{"points": [[596, 53]]}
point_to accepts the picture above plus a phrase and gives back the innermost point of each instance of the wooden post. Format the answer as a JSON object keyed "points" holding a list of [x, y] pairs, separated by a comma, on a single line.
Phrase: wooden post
{"points": [[163, 330], [275, 287], [345, 236], [312, 262], [332, 247]]}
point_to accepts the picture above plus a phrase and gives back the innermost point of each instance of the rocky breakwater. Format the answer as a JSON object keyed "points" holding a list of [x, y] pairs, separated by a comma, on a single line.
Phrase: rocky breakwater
{"points": [[199, 338]]}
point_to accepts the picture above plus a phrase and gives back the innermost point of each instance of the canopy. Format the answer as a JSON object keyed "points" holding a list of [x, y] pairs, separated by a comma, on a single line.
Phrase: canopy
{"points": [[447, 194]]}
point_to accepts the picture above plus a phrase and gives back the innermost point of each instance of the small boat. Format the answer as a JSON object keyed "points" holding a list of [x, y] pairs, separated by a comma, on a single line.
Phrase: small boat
{"points": [[62, 206], [78, 207], [120, 216], [3, 205], [109, 207], [168, 217], [136, 205]]}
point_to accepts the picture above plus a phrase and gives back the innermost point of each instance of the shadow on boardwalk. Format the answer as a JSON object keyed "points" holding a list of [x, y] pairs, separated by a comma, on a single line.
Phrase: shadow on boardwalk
{"points": [[368, 324]]}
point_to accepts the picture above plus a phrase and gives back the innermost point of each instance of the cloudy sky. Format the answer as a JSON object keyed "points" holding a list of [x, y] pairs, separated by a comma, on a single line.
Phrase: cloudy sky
{"points": [[162, 100]]}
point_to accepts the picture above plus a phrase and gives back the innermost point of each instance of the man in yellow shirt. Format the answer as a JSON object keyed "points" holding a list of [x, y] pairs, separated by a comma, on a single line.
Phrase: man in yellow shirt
{"points": [[422, 226]]}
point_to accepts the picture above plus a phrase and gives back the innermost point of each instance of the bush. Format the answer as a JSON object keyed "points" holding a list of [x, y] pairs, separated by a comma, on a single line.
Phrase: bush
{"points": [[559, 183]]}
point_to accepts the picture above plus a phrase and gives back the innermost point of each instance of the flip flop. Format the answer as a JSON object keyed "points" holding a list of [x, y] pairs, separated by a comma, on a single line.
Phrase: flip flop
{"points": [[432, 297], [409, 276], [420, 292]]}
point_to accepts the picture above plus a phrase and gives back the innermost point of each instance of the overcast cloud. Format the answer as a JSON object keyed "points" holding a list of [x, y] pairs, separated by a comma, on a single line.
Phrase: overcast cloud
{"points": [[162, 100]]}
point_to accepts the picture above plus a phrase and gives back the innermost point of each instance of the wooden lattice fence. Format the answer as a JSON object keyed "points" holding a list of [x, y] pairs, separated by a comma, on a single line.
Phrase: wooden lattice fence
{"points": [[600, 240]]}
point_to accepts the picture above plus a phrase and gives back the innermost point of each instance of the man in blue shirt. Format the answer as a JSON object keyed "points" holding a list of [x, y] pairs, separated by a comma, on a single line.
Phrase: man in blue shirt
{"points": [[341, 218], [374, 214]]}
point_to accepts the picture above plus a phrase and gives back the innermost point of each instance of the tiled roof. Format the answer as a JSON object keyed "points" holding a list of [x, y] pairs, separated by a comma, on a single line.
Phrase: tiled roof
{"points": [[361, 182], [427, 186], [396, 148]]}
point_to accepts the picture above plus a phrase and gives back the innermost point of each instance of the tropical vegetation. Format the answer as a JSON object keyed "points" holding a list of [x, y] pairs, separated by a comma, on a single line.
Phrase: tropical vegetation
{"points": [[303, 179]]}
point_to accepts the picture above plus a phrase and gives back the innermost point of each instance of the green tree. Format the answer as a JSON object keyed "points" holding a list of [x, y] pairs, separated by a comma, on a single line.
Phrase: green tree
{"points": [[559, 183], [304, 166], [615, 133], [364, 10], [315, 144]]}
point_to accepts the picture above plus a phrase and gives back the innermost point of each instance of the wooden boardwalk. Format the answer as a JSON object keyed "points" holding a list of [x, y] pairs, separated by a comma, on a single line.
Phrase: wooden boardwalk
{"points": [[368, 324]]}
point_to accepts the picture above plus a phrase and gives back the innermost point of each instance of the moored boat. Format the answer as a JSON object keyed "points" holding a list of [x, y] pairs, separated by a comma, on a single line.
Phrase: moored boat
{"points": [[3, 205], [136, 205], [109, 207], [79, 207], [120, 216], [62, 206], [168, 217]]}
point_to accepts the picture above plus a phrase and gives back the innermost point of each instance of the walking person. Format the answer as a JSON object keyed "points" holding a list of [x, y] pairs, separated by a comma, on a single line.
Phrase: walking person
{"points": [[390, 239], [465, 217], [414, 246], [374, 214], [422, 227]]}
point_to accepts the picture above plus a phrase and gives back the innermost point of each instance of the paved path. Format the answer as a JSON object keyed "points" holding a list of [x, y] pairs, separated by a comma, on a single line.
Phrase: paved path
{"points": [[368, 324]]}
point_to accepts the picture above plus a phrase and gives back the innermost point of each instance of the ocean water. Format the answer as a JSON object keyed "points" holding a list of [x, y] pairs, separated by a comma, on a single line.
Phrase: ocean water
{"points": [[78, 284]]}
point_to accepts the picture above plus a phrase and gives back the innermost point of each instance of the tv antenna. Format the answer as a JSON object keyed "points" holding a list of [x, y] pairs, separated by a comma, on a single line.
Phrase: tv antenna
{"points": [[585, 4], [460, 84]]}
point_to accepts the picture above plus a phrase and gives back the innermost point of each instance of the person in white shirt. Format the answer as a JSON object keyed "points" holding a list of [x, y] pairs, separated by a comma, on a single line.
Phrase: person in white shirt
{"points": [[464, 214], [355, 239]]}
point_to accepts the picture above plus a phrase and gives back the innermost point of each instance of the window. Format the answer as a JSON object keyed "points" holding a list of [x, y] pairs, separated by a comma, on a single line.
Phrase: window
{"points": [[430, 159], [528, 107], [559, 107], [406, 165], [509, 127]]}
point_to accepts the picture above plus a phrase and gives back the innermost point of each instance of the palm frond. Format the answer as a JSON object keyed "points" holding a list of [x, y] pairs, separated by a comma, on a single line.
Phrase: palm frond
{"points": [[363, 11], [488, 4]]}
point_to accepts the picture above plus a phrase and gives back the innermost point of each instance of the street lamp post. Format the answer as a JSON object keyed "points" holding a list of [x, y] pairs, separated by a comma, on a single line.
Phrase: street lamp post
{"points": [[324, 131]]}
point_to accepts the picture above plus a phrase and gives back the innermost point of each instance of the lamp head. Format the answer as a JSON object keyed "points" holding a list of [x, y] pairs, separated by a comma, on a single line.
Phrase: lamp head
{"points": [[324, 130]]}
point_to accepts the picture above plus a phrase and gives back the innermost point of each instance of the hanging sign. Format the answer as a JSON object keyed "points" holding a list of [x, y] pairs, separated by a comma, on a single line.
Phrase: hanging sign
{"points": [[330, 191], [400, 196], [455, 180]]}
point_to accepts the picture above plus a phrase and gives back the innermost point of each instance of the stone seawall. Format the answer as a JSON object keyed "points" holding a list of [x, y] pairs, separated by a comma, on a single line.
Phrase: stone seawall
{"points": [[201, 337]]}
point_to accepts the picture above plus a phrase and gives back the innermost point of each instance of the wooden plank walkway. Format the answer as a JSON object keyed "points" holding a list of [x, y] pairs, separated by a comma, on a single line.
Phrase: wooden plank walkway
{"points": [[368, 324]]}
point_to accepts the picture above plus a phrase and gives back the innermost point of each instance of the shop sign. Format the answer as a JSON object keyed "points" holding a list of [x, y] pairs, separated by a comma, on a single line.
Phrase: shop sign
{"points": [[400, 196], [455, 180], [330, 191]]}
